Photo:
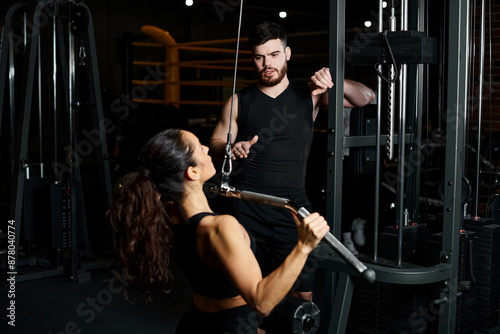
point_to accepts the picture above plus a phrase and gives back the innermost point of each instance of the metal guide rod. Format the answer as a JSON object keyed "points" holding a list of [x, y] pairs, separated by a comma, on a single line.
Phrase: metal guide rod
{"points": [[377, 143], [420, 99], [480, 106], [402, 142], [334, 243], [40, 129], [54, 96], [391, 97], [12, 92], [74, 175]]}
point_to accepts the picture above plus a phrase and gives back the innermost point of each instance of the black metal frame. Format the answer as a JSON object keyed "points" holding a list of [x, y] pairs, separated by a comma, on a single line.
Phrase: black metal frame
{"points": [[78, 22], [339, 277]]}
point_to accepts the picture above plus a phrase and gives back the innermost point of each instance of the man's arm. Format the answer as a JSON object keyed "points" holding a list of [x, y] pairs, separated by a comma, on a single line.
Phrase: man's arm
{"points": [[356, 94], [218, 141]]}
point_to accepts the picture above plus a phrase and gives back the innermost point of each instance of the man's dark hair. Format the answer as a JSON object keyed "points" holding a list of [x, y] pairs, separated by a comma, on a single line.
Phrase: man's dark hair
{"points": [[265, 32]]}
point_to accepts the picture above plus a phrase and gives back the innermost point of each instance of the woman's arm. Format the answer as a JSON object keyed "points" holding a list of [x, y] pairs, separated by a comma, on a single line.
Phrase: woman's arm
{"points": [[225, 247]]}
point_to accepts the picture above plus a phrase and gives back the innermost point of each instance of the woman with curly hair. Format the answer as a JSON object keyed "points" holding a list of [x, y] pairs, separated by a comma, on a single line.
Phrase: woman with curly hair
{"points": [[161, 211]]}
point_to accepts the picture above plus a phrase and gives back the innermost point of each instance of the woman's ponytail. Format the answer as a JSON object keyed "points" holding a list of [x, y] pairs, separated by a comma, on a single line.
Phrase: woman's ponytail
{"points": [[143, 238]]}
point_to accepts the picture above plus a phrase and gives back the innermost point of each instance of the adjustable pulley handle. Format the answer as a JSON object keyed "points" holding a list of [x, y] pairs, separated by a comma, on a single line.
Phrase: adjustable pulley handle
{"points": [[329, 238], [366, 273]]}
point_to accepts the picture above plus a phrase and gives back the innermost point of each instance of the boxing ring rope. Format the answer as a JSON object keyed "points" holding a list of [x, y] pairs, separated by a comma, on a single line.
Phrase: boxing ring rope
{"points": [[173, 82]]}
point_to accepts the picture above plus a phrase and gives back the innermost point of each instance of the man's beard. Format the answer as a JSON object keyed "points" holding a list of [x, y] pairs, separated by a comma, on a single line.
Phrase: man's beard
{"points": [[269, 82]]}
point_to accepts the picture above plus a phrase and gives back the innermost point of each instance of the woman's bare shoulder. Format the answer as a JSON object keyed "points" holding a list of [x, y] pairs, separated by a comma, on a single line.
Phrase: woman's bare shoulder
{"points": [[219, 223]]}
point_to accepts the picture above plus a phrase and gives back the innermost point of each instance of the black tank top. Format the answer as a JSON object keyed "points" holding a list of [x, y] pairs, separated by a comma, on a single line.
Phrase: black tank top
{"points": [[277, 162], [203, 281]]}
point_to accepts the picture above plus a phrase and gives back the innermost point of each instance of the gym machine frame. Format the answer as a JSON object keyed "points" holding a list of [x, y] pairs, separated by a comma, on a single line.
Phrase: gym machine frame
{"points": [[78, 23], [339, 276]]}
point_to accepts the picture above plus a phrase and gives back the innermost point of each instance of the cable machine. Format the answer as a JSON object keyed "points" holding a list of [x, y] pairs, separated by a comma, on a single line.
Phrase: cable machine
{"points": [[406, 88], [72, 44], [59, 56]]}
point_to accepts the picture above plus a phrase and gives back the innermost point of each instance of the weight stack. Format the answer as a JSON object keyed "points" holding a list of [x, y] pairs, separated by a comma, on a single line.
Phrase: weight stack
{"points": [[389, 308], [466, 299], [60, 215], [414, 239], [486, 270]]}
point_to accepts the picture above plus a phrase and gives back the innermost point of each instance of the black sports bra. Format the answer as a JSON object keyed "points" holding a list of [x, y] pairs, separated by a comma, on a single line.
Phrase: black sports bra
{"points": [[204, 281]]}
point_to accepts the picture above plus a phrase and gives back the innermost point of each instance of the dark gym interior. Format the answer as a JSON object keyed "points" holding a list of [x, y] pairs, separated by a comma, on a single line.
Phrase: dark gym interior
{"points": [[84, 83]]}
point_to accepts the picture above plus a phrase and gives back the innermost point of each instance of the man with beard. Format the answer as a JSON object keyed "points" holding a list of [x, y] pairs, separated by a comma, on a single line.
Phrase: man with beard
{"points": [[272, 131]]}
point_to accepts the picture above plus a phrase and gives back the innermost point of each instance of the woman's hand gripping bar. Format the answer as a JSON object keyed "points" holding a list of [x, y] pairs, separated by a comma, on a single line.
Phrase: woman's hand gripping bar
{"points": [[330, 239]]}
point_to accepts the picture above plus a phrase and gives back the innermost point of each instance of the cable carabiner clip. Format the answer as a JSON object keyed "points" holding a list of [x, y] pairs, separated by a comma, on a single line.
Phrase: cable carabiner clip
{"points": [[227, 166], [82, 56]]}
